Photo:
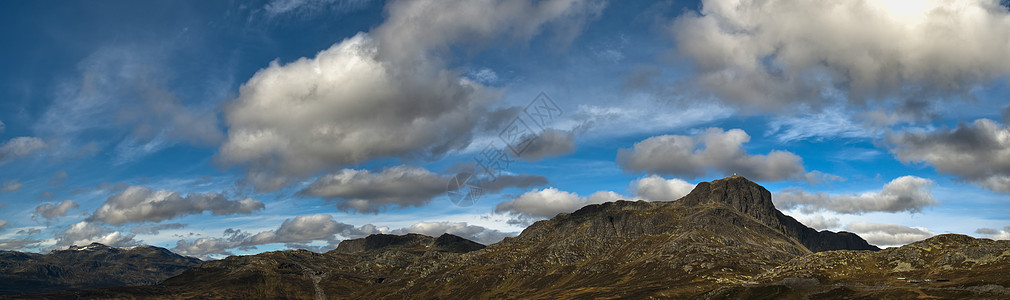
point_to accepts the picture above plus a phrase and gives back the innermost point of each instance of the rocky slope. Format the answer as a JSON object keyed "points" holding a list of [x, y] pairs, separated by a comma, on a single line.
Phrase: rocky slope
{"points": [[90, 266], [947, 266]]}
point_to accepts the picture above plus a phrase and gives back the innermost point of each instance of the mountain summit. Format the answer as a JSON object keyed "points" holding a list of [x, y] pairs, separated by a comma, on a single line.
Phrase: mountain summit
{"points": [[753, 200]]}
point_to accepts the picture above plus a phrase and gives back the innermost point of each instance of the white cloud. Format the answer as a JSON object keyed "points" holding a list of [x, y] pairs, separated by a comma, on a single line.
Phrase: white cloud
{"points": [[655, 188], [51, 211], [546, 203], [20, 147], [301, 229], [819, 222], [84, 232], [712, 150], [381, 94], [142, 204], [906, 193], [828, 123], [978, 153], [12, 185], [888, 235], [773, 53]]}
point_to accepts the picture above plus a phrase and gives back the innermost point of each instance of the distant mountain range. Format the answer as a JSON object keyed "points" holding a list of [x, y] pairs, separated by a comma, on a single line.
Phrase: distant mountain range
{"points": [[725, 240], [90, 266]]}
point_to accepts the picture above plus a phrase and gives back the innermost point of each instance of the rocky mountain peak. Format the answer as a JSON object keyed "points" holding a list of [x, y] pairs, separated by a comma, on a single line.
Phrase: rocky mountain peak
{"points": [[737, 192]]}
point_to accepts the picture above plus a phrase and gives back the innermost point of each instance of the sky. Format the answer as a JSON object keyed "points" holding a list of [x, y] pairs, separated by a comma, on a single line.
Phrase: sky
{"points": [[216, 128]]}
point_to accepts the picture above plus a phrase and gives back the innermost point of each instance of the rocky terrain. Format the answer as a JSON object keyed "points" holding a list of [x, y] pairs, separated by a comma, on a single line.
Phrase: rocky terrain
{"points": [[725, 240], [90, 266]]}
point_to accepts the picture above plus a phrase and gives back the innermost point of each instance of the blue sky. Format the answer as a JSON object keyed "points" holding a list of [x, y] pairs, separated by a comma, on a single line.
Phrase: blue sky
{"points": [[215, 128]]}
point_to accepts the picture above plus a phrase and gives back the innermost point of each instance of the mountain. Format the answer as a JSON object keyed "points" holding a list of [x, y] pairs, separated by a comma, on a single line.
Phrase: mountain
{"points": [[724, 240], [90, 266]]}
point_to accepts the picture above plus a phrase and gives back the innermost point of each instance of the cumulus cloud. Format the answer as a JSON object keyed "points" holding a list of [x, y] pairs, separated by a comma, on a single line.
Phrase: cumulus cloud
{"points": [[375, 95], [204, 247], [20, 147], [84, 232], [550, 143], [51, 211], [471, 232], [978, 153], [546, 203], [12, 185], [397, 187], [297, 231], [713, 150], [888, 235], [655, 188], [770, 54], [142, 204], [906, 193], [1003, 234], [301, 229], [364, 191], [819, 222]]}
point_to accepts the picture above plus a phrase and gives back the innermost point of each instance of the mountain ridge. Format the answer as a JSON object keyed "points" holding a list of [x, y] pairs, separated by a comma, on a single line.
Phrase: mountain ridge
{"points": [[90, 266], [724, 240]]}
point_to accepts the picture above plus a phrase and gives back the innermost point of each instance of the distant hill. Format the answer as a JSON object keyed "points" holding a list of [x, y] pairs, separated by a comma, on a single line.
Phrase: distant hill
{"points": [[725, 240], [90, 266]]}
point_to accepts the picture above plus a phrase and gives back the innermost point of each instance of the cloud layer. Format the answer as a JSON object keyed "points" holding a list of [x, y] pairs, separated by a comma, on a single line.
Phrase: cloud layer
{"points": [[51, 211], [888, 235], [978, 152], [84, 232], [903, 194], [746, 53], [20, 147], [397, 187], [655, 188], [376, 95], [546, 203], [714, 150], [141, 204]]}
